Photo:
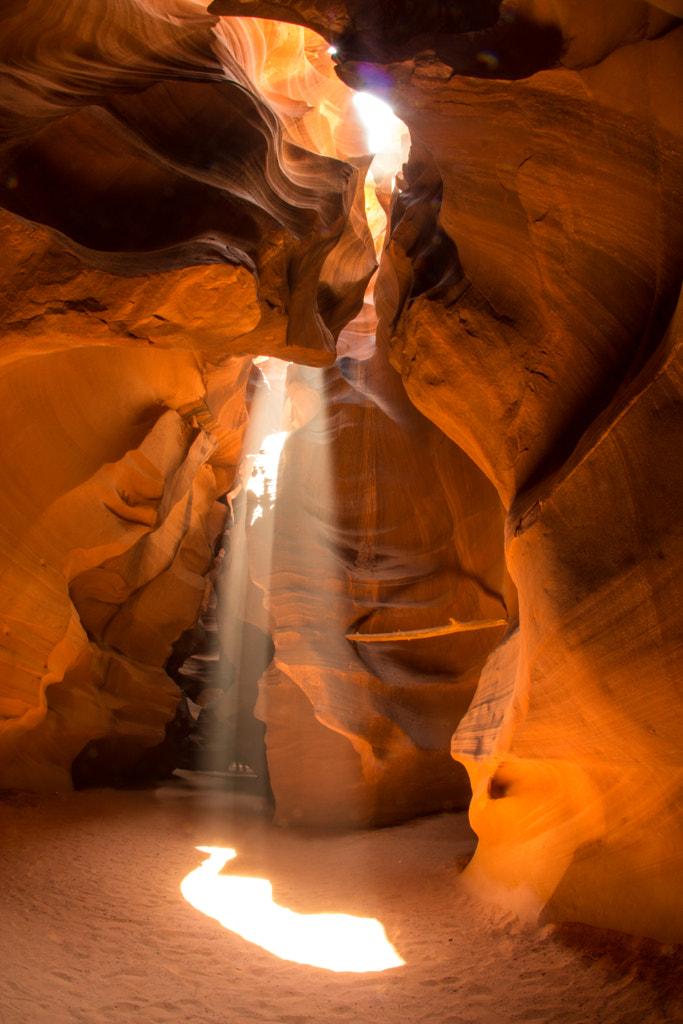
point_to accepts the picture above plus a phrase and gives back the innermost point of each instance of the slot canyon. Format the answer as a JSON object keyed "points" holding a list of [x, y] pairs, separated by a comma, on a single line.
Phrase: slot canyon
{"points": [[342, 472]]}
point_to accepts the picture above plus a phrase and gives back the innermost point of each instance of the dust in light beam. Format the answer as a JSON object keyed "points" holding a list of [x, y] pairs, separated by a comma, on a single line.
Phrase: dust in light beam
{"points": [[335, 942]]}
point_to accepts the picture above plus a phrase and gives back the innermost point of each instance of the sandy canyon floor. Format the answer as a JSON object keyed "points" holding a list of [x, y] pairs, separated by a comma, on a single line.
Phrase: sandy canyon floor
{"points": [[94, 927]]}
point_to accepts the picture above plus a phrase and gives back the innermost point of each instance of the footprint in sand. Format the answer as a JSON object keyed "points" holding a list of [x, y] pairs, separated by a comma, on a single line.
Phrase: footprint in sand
{"points": [[336, 942]]}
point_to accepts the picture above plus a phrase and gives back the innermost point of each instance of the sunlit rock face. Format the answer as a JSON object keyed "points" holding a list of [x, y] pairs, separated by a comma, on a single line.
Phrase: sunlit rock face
{"points": [[538, 324], [357, 728], [182, 192], [157, 154], [162, 222]]}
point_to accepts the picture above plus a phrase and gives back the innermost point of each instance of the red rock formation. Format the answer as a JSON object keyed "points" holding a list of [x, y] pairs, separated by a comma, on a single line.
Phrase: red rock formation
{"points": [[177, 200], [160, 225], [379, 525], [545, 343]]}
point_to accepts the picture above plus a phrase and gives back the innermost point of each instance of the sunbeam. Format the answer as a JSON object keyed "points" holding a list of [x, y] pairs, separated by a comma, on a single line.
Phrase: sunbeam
{"points": [[335, 942], [378, 120], [231, 737]]}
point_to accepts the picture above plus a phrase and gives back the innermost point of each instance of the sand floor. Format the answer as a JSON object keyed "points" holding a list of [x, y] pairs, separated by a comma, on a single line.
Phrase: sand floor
{"points": [[94, 927]]}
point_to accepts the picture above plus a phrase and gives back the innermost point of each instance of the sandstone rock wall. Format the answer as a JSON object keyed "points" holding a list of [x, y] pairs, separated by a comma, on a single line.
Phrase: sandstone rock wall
{"points": [[545, 341], [176, 200], [161, 225], [380, 525]]}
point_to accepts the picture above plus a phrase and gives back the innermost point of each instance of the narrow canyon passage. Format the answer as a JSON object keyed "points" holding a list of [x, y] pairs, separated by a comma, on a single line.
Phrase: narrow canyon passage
{"points": [[340, 508]]}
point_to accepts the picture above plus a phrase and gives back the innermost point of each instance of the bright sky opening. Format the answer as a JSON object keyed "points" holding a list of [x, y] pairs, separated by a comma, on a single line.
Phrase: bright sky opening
{"points": [[378, 119]]}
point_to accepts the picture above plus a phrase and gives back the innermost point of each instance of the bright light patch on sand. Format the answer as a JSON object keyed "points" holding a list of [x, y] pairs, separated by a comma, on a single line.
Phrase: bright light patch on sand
{"points": [[335, 942], [378, 120]]}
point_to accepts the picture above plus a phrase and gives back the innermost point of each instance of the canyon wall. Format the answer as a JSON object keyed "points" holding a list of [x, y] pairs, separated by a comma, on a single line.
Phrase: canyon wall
{"points": [[161, 225], [545, 340], [183, 190]]}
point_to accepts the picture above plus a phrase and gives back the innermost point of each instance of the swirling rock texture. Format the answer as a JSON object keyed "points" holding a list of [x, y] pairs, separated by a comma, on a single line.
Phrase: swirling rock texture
{"points": [[545, 340], [160, 225], [176, 200], [358, 729]]}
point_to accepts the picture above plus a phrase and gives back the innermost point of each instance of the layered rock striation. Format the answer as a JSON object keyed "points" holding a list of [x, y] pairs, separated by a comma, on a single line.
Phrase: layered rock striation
{"points": [[162, 224], [183, 190], [354, 561], [545, 341]]}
